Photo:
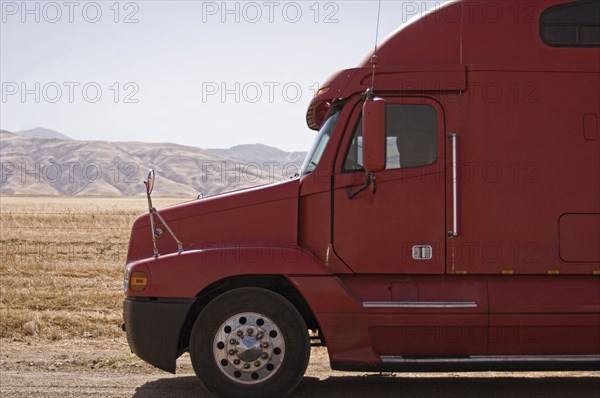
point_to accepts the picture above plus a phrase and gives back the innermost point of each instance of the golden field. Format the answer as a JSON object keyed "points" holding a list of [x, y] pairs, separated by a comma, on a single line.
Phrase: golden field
{"points": [[62, 263]]}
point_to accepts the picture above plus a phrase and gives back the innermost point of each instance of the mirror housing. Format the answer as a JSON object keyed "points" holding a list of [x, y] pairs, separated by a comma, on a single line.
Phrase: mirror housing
{"points": [[374, 134], [149, 182]]}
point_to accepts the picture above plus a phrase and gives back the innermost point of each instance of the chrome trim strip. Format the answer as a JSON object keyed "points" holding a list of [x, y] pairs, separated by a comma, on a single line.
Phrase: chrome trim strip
{"points": [[494, 358], [454, 232], [419, 304]]}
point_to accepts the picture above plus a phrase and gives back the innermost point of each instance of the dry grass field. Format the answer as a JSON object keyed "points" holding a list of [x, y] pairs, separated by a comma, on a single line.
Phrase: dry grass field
{"points": [[61, 267]]}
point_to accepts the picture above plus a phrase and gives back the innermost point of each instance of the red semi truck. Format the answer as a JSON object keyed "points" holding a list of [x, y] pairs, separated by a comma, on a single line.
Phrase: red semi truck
{"points": [[447, 218]]}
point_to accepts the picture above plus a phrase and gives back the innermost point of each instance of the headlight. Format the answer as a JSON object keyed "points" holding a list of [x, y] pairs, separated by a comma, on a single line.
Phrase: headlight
{"points": [[126, 281]]}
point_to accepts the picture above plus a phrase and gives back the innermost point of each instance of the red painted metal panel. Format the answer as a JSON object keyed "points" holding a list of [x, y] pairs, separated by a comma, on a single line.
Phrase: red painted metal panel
{"points": [[356, 333], [549, 315], [185, 275], [580, 237], [376, 232], [253, 215], [523, 163]]}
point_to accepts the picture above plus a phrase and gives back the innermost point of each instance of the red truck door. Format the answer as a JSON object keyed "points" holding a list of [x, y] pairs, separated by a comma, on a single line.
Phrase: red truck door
{"points": [[397, 225]]}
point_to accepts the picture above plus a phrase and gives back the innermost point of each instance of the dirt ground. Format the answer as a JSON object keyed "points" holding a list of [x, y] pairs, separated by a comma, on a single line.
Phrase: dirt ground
{"points": [[33, 367]]}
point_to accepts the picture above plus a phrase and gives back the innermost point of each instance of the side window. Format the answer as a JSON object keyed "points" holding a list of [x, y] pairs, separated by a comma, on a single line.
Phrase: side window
{"points": [[354, 160], [575, 24], [411, 138]]}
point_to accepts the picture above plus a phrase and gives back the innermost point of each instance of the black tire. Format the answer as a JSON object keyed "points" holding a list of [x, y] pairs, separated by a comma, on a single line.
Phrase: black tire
{"points": [[271, 339]]}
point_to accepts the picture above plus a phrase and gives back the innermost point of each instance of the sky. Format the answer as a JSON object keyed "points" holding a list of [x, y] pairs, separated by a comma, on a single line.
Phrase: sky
{"points": [[210, 74]]}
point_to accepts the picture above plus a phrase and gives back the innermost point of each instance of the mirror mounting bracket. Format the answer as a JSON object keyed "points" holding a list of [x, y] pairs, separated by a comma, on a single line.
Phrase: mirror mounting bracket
{"points": [[370, 180], [152, 211]]}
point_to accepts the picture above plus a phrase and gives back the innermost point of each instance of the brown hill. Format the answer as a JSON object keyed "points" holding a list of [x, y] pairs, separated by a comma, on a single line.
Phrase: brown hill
{"points": [[50, 166]]}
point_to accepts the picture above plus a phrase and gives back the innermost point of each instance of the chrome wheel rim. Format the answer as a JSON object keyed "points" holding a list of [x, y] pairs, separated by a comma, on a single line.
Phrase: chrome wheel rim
{"points": [[249, 348]]}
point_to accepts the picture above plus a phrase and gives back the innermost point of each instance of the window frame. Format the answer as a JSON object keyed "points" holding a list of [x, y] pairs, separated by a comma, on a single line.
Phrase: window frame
{"points": [[543, 25], [395, 101]]}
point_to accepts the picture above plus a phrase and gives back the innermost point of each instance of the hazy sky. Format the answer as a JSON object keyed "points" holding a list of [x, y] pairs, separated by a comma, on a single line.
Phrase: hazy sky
{"points": [[202, 73]]}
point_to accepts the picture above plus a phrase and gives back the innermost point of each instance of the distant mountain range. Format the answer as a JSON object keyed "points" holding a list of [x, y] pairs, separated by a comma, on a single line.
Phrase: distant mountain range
{"points": [[46, 162], [43, 133]]}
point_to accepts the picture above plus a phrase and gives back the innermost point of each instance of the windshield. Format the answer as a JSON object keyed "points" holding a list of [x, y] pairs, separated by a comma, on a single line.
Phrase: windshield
{"points": [[316, 152]]}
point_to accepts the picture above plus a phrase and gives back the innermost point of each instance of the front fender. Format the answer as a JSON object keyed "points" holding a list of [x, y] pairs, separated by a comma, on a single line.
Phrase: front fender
{"points": [[185, 275]]}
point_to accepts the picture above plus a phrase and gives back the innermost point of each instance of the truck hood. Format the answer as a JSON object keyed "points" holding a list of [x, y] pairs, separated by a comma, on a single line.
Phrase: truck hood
{"points": [[254, 216]]}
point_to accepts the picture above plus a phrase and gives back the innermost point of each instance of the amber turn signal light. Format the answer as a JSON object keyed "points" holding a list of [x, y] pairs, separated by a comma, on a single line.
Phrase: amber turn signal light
{"points": [[138, 281]]}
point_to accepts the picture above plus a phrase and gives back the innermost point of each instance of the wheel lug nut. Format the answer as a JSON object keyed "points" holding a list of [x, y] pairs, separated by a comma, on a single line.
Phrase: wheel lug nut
{"points": [[231, 352], [264, 355], [250, 332], [236, 361], [264, 345], [232, 341], [260, 336], [240, 333], [246, 366], [257, 364]]}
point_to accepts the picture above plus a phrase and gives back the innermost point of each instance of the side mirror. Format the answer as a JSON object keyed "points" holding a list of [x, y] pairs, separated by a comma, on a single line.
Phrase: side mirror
{"points": [[149, 182], [374, 134]]}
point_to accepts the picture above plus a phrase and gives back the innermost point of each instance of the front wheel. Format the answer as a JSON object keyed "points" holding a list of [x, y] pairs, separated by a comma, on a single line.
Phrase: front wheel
{"points": [[250, 342]]}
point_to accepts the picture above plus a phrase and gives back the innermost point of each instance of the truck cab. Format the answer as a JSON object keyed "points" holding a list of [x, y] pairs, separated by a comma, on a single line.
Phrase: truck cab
{"points": [[447, 218]]}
